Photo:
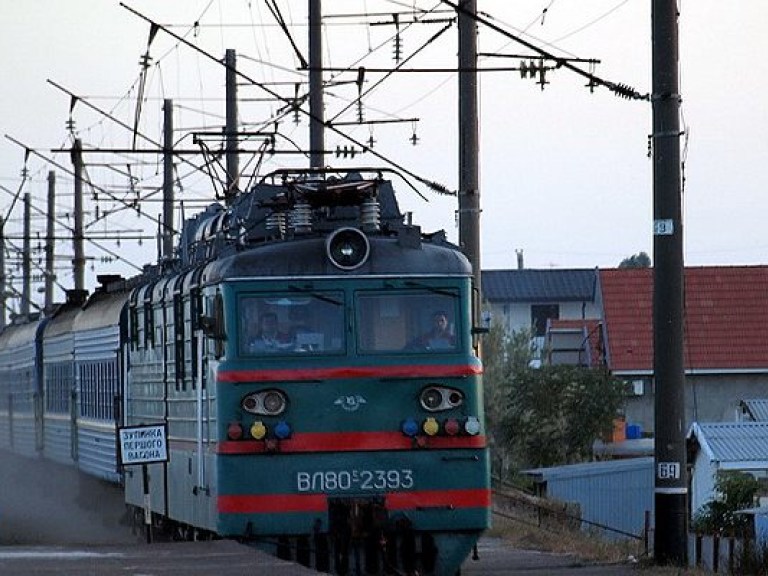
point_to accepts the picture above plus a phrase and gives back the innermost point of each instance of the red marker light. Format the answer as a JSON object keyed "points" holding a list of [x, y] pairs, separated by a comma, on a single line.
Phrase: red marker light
{"points": [[234, 431], [452, 427]]}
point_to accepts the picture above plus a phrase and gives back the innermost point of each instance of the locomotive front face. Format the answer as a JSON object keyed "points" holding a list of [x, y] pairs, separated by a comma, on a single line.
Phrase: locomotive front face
{"points": [[350, 409]]}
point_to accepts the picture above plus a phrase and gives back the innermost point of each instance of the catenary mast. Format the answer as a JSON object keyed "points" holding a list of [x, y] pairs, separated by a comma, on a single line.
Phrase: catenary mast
{"points": [[469, 189], [316, 112], [670, 458]]}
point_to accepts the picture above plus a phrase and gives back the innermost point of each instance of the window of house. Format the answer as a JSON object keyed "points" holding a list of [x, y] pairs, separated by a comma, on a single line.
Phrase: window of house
{"points": [[540, 314]]}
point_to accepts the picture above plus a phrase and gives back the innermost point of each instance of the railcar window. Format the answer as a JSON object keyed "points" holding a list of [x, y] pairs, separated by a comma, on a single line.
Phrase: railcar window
{"points": [[59, 380], [149, 326], [178, 330], [423, 321], [133, 323], [275, 324], [98, 386]]}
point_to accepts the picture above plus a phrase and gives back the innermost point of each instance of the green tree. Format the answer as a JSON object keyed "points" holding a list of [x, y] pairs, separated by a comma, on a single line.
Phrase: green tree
{"points": [[555, 413], [503, 354], [639, 260], [734, 491]]}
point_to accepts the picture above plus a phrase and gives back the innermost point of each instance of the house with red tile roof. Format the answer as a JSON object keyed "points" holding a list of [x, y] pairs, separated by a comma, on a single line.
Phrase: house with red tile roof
{"points": [[725, 338], [605, 318]]}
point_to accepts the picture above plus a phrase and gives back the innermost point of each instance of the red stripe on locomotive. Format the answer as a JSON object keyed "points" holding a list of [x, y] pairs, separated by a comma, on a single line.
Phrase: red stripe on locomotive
{"points": [[352, 441], [273, 503], [345, 372]]}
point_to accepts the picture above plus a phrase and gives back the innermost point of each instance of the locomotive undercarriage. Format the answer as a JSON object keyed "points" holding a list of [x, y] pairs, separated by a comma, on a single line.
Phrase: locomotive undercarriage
{"points": [[164, 529], [361, 539]]}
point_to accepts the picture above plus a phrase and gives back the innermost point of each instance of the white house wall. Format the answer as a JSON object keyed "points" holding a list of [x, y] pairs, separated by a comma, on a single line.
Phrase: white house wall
{"points": [[708, 397], [516, 316], [702, 482]]}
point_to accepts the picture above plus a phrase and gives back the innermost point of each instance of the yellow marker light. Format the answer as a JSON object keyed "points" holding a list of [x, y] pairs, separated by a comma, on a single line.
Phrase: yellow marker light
{"points": [[430, 427], [258, 430]]}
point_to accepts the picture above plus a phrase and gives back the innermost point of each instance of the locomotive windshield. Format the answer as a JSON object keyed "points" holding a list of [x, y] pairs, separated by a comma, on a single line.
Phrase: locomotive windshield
{"points": [[290, 324], [414, 321]]}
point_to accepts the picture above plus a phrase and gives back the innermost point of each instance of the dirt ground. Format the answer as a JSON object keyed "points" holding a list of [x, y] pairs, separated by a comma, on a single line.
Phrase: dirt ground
{"points": [[43, 503]]}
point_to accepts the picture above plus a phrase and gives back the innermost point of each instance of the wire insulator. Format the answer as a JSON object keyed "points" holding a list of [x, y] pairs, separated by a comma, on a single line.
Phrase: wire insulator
{"points": [[370, 215], [276, 223], [301, 218]]}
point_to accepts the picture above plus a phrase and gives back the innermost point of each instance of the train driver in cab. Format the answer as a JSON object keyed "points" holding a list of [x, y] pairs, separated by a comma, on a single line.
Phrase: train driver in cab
{"points": [[269, 338], [439, 337]]}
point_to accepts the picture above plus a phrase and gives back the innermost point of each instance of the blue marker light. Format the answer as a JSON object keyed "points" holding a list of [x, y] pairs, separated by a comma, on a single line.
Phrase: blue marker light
{"points": [[282, 430], [410, 427]]}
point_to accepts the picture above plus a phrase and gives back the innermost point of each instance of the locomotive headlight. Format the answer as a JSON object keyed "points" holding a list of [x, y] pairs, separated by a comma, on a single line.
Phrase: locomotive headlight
{"points": [[431, 399], [437, 398], [265, 403], [347, 248], [274, 402]]}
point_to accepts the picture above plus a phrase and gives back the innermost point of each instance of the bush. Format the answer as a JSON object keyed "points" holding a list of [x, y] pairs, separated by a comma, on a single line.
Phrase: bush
{"points": [[734, 491]]}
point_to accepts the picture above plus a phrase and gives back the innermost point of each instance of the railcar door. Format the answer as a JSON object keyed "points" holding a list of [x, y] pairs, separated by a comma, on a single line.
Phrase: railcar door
{"points": [[73, 421], [201, 413]]}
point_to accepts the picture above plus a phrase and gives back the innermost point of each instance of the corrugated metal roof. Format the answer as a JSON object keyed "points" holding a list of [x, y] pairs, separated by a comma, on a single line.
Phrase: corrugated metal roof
{"points": [[613, 493], [726, 317], [589, 468], [732, 442], [756, 408], [529, 285]]}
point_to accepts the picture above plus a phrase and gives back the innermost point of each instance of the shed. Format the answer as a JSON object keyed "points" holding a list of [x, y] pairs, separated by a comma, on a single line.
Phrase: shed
{"points": [[754, 409], [716, 446], [614, 495], [760, 524]]}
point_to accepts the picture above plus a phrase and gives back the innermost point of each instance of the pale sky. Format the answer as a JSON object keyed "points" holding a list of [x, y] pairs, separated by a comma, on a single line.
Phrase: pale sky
{"points": [[565, 174]]}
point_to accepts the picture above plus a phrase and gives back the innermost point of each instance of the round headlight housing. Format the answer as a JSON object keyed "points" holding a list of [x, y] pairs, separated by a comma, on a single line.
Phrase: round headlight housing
{"points": [[274, 402], [431, 399], [437, 398], [347, 248], [265, 403]]}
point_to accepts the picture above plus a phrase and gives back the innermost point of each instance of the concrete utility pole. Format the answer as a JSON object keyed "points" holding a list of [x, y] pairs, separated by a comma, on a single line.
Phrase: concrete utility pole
{"points": [[3, 286], [316, 111], [50, 239], [78, 262], [469, 189], [233, 161], [26, 259], [167, 232], [671, 486]]}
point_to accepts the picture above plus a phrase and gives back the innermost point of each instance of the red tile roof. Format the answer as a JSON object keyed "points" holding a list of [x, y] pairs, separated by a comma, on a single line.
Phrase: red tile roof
{"points": [[726, 318]]}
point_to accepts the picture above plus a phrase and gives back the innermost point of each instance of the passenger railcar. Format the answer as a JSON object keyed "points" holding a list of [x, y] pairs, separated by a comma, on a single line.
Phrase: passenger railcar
{"points": [[309, 407], [20, 388], [99, 336], [57, 401]]}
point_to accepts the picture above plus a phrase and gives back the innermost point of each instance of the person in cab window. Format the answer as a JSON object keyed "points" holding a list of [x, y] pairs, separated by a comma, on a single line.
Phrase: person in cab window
{"points": [[439, 336], [269, 338]]}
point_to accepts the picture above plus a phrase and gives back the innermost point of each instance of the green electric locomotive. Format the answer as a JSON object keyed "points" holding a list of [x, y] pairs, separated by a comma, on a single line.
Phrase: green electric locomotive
{"points": [[313, 357]]}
